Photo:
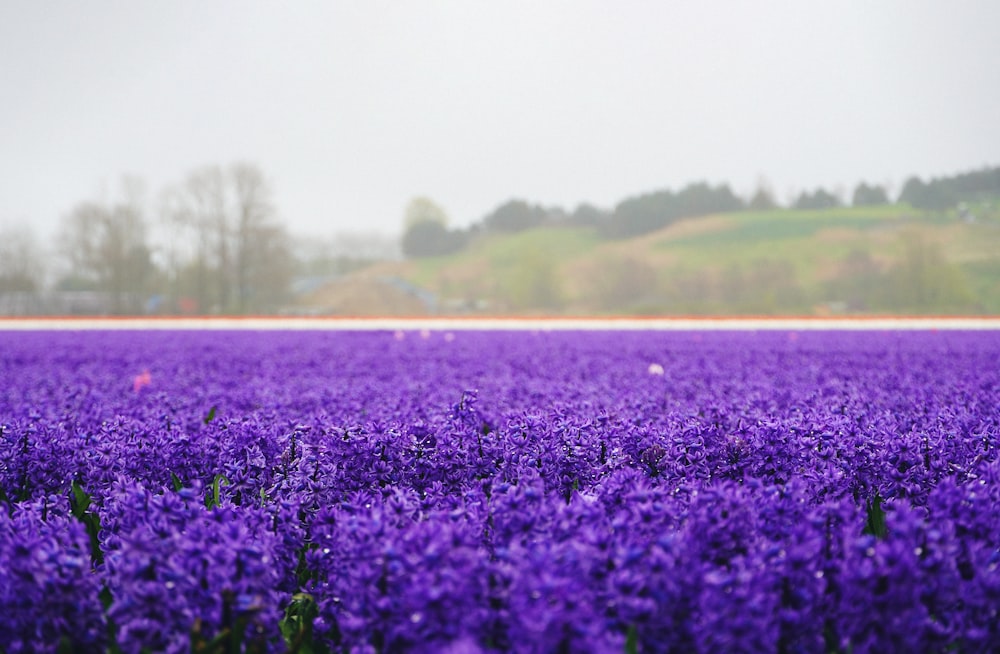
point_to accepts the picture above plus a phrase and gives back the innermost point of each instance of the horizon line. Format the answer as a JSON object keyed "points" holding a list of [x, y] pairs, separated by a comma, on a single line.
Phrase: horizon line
{"points": [[501, 323]]}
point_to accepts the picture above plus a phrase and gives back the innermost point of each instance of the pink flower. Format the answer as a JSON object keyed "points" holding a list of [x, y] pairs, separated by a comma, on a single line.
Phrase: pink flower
{"points": [[141, 380]]}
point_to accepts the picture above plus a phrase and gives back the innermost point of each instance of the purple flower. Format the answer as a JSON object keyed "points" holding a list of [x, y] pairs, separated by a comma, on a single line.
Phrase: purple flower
{"points": [[49, 594]]}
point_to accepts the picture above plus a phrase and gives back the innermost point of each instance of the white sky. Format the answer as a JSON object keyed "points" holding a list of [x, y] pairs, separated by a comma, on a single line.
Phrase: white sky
{"points": [[352, 108]]}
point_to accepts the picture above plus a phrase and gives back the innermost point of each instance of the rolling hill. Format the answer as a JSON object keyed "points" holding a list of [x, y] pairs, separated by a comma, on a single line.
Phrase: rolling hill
{"points": [[857, 261]]}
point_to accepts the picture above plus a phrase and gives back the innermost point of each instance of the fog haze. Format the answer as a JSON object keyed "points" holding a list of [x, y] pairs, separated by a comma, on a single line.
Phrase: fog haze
{"points": [[351, 109]]}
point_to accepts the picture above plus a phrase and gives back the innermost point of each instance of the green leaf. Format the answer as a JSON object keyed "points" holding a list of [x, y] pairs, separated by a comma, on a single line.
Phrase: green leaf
{"points": [[302, 572], [296, 626], [875, 525], [214, 498], [106, 600], [106, 597], [830, 640], [210, 416], [176, 481], [79, 500], [632, 640], [217, 644], [79, 503]]}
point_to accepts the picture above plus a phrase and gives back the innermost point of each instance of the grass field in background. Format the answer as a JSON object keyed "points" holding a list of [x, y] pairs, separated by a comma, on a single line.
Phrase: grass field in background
{"points": [[861, 261]]}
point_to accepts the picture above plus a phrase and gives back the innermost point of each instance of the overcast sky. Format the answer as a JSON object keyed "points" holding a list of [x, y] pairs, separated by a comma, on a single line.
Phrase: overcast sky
{"points": [[353, 108]]}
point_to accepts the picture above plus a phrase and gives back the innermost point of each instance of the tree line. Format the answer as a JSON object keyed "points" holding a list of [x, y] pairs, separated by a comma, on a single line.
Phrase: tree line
{"points": [[214, 244], [946, 192], [426, 232], [212, 241]]}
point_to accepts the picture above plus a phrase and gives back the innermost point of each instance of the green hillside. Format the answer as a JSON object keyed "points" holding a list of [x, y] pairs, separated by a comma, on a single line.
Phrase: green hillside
{"points": [[868, 260]]}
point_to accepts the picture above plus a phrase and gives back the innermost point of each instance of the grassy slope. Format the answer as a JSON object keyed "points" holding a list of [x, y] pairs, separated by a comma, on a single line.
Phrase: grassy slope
{"points": [[812, 242], [810, 249]]}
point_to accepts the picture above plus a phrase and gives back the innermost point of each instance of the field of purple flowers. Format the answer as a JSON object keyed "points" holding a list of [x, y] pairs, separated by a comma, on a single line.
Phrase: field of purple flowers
{"points": [[500, 491]]}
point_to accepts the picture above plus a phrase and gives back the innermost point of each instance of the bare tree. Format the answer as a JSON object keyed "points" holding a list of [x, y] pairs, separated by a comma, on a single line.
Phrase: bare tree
{"points": [[179, 246], [21, 268], [208, 217], [237, 257], [269, 268], [105, 245], [260, 244]]}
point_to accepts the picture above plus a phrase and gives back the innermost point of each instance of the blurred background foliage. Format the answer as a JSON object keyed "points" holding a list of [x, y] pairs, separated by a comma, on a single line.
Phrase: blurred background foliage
{"points": [[214, 243]]}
